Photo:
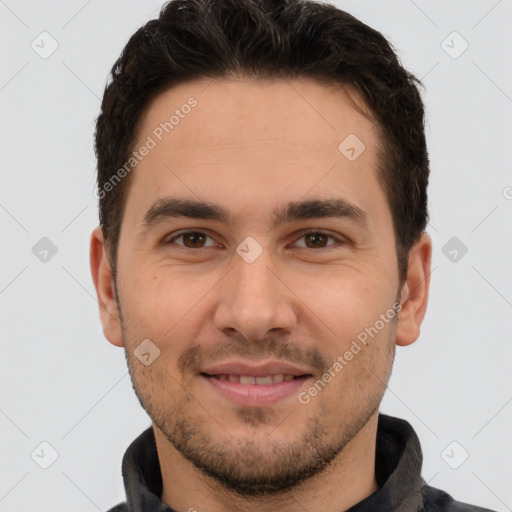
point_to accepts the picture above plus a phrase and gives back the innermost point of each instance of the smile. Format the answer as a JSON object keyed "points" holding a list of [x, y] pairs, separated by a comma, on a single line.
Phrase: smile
{"points": [[261, 381], [247, 390]]}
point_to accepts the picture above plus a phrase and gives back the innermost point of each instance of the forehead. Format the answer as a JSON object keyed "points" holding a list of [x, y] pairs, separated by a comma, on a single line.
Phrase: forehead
{"points": [[237, 140], [234, 111]]}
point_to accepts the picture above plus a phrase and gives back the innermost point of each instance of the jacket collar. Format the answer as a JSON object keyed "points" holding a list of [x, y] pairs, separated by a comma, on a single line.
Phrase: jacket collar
{"points": [[398, 461]]}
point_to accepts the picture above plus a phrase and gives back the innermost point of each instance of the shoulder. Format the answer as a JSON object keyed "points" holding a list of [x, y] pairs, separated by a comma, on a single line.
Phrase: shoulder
{"points": [[435, 500], [122, 507]]}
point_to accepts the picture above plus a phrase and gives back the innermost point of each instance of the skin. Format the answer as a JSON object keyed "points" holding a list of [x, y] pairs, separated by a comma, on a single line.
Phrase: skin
{"points": [[250, 146]]}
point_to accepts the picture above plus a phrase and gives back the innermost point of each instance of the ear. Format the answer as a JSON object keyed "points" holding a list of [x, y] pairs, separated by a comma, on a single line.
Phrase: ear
{"points": [[104, 284], [414, 293]]}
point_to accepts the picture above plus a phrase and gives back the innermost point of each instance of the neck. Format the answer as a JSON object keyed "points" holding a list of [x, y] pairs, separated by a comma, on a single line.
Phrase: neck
{"points": [[346, 481]]}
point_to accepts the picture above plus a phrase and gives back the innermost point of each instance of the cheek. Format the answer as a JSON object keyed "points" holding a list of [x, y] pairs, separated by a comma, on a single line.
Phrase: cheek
{"points": [[361, 372], [361, 338], [163, 305], [347, 305], [161, 298]]}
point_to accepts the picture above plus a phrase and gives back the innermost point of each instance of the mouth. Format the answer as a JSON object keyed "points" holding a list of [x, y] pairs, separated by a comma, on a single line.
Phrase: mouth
{"points": [[255, 386], [250, 380]]}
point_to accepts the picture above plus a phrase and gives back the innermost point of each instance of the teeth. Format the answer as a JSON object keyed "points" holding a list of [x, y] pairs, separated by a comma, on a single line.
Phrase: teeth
{"points": [[264, 381], [261, 381]]}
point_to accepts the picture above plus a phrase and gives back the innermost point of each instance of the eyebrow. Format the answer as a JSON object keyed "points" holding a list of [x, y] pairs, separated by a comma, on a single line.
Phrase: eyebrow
{"points": [[172, 207]]}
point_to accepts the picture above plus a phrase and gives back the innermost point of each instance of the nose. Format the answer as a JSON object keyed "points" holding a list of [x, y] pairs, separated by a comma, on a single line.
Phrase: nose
{"points": [[255, 300]]}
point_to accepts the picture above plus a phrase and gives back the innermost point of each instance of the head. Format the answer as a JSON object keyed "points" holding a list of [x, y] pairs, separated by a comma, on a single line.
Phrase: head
{"points": [[277, 128]]}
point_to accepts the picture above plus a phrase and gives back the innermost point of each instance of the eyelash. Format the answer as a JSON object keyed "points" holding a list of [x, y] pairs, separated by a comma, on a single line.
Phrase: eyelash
{"points": [[311, 232]]}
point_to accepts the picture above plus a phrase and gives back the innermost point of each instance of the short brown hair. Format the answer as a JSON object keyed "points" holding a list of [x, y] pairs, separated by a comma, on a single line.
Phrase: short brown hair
{"points": [[194, 39]]}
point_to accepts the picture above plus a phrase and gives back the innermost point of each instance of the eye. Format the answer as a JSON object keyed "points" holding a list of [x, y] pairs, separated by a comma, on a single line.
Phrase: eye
{"points": [[197, 240], [318, 239], [191, 239]]}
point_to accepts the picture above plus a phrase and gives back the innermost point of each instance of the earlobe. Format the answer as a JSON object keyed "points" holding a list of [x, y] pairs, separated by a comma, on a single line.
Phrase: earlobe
{"points": [[414, 293], [104, 283]]}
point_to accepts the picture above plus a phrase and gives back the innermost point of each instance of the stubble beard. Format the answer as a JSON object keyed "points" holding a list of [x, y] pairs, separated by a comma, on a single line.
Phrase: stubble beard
{"points": [[249, 468], [254, 469]]}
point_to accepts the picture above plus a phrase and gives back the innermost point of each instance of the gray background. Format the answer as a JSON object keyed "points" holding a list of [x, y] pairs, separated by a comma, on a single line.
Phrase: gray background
{"points": [[62, 383]]}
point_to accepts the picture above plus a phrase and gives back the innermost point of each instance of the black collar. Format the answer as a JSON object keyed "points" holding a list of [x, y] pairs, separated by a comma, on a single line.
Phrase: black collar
{"points": [[397, 470]]}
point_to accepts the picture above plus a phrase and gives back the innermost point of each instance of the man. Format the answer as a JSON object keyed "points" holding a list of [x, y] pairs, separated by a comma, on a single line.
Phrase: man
{"points": [[262, 175]]}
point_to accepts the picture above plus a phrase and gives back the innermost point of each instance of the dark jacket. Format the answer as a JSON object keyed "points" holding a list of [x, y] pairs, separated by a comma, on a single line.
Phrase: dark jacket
{"points": [[397, 470]]}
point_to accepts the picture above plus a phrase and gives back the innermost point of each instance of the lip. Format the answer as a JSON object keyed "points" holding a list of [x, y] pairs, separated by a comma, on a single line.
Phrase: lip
{"points": [[260, 370], [254, 394]]}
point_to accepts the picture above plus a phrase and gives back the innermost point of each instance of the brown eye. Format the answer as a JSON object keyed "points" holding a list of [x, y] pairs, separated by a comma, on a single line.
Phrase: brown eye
{"points": [[317, 240], [191, 240]]}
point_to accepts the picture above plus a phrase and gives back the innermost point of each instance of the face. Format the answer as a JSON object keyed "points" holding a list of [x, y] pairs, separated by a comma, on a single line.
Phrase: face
{"points": [[272, 309]]}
